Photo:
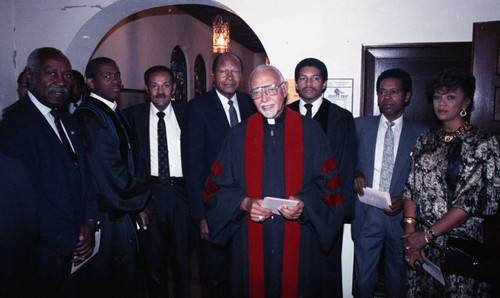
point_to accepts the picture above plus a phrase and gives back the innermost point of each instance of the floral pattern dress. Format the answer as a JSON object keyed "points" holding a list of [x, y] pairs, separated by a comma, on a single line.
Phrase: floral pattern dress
{"points": [[464, 173]]}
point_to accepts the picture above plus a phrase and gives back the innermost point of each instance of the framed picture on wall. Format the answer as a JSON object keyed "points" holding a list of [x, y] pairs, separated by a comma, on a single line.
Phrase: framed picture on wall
{"points": [[340, 92]]}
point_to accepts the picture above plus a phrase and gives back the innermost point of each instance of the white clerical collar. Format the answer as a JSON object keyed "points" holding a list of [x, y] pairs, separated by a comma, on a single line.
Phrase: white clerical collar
{"points": [[271, 121], [110, 104]]}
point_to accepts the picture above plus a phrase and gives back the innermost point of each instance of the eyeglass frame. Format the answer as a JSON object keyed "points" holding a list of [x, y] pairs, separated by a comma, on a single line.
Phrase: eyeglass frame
{"points": [[266, 88]]}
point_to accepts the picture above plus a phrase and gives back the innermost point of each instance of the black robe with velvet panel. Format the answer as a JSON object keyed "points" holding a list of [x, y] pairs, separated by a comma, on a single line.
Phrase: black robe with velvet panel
{"points": [[319, 223]]}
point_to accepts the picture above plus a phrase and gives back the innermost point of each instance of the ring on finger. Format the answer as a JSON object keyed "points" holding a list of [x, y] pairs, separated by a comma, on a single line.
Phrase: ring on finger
{"points": [[407, 248], [260, 218]]}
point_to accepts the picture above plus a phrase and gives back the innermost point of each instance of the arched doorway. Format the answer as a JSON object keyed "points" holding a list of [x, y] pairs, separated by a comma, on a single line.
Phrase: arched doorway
{"points": [[135, 49]]}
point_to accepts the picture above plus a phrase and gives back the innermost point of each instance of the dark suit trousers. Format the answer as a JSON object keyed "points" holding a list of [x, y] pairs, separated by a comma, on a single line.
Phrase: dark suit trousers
{"points": [[168, 239], [213, 265]]}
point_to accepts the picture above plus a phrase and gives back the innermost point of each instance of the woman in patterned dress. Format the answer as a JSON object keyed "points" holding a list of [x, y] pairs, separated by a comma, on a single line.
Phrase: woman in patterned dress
{"points": [[453, 184]]}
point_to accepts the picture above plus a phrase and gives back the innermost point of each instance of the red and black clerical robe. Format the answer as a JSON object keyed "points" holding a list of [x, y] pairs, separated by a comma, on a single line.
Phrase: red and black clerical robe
{"points": [[276, 258]]}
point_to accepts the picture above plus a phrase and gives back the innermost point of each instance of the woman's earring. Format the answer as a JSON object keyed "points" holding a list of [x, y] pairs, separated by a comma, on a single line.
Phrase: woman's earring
{"points": [[463, 113]]}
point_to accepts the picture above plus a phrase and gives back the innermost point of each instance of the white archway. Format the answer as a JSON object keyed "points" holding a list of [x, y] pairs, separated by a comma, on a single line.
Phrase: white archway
{"points": [[91, 33]]}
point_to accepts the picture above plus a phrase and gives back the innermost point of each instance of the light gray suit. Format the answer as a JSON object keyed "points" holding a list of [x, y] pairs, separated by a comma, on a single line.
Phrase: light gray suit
{"points": [[372, 229]]}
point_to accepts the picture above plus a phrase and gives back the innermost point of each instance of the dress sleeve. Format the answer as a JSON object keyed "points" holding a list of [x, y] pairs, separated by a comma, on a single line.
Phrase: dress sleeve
{"points": [[478, 187], [224, 192], [321, 190], [118, 189]]}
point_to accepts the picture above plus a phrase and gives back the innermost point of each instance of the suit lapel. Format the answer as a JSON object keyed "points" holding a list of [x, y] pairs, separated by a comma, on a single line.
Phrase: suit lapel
{"points": [[218, 115], [370, 138], [322, 115], [405, 148], [47, 134]]}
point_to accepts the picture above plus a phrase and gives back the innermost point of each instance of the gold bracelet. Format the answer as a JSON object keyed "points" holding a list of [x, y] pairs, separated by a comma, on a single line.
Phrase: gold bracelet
{"points": [[409, 220]]}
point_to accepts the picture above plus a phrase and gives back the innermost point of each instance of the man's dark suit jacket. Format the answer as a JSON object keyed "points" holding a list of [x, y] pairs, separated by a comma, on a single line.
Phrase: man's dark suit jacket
{"points": [[18, 230], [204, 131], [338, 124], [65, 195], [168, 233]]}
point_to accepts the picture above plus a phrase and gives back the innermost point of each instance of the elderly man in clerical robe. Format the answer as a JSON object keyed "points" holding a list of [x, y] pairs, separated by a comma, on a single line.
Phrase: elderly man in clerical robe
{"points": [[275, 153]]}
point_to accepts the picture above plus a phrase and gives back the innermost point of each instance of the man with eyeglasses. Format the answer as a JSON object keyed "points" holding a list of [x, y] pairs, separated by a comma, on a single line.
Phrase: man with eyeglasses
{"points": [[207, 121], [275, 153], [311, 77], [385, 143]]}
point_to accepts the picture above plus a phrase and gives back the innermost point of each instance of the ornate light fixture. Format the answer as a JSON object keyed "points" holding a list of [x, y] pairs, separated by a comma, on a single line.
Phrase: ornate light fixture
{"points": [[220, 27]]}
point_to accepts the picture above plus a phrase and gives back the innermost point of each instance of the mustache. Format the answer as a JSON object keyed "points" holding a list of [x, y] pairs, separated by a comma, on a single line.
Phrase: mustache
{"points": [[59, 89], [160, 95], [308, 88]]}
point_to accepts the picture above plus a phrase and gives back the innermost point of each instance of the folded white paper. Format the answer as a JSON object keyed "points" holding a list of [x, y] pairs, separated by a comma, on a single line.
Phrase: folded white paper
{"points": [[274, 203], [433, 270], [96, 249], [376, 198]]}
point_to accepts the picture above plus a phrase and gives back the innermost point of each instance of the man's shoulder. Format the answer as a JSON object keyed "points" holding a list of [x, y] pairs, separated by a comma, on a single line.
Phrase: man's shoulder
{"points": [[414, 126], [203, 99], [338, 110], [294, 105], [136, 109], [365, 120], [18, 111], [92, 110]]}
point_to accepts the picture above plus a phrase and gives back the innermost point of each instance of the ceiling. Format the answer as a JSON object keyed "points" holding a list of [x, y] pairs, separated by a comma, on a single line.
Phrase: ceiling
{"points": [[239, 31]]}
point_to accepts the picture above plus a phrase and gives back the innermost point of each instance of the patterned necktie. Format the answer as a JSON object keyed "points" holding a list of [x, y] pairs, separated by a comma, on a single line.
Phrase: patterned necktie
{"points": [[163, 168], [63, 137], [309, 110], [233, 118], [387, 159]]}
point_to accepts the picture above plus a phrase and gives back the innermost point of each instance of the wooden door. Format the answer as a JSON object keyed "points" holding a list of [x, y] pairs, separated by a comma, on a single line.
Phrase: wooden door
{"points": [[486, 114], [486, 69], [421, 61]]}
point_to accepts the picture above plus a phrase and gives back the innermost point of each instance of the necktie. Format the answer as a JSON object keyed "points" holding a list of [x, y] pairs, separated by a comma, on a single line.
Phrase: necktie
{"points": [[233, 118], [163, 168], [387, 159], [309, 110], [63, 137]]}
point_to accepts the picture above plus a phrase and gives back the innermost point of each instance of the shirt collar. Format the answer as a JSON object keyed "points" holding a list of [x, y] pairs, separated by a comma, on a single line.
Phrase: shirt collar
{"points": [[40, 106], [398, 123], [315, 104], [111, 105], [223, 98], [154, 111]]}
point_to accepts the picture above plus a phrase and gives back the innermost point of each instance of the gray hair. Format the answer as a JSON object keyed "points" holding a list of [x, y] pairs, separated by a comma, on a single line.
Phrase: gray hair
{"points": [[262, 67], [34, 57]]}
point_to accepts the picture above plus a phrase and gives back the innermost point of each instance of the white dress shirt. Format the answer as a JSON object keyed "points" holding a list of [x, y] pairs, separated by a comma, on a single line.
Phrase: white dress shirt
{"points": [[225, 105], [173, 141], [315, 106]]}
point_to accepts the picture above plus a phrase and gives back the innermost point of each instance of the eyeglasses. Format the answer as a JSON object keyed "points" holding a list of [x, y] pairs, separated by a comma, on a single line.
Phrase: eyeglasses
{"points": [[271, 90]]}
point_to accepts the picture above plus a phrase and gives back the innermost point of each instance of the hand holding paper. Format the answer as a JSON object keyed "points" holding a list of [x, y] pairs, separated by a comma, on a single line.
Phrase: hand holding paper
{"points": [[376, 198]]}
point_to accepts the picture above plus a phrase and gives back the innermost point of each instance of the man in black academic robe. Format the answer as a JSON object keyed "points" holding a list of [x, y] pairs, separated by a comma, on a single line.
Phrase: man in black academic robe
{"points": [[120, 193], [275, 153], [311, 77]]}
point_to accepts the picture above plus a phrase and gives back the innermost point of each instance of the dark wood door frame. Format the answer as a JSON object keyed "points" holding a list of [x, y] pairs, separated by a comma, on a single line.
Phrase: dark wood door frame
{"points": [[421, 60]]}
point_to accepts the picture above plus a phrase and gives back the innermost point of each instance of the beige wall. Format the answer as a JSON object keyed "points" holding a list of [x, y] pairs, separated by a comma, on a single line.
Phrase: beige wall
{"points": [[148, 38], [331, 30]]}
